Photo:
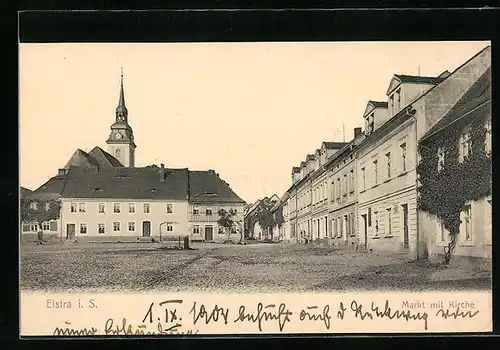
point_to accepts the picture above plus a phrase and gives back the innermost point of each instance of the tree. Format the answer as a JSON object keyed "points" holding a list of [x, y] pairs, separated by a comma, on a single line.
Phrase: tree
{"points": [[265, 216], [443, 193], [226, 220], [37, 210]]}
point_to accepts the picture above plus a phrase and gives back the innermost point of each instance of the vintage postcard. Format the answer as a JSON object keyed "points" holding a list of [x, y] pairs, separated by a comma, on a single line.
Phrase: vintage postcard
{"points": [[255, 188]]}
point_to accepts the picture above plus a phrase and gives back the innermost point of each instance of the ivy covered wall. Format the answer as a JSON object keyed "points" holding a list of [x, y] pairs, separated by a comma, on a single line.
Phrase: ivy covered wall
{"points": [[444, 193]]}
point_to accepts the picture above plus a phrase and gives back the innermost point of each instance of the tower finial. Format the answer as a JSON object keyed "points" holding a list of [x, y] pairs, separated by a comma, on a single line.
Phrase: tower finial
{"points": [[121, 110]]}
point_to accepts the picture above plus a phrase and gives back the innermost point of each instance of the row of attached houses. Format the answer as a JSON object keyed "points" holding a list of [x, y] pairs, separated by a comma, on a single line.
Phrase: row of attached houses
{"points": [[363, 194]]}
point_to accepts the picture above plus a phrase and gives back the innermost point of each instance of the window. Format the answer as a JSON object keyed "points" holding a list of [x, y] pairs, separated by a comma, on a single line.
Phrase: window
{"points": [[468, 222], [347, 225], [101, 208], [116, 207], [101, 228], [47, 206], [363, 177], [73, 208], [145, 208], [341, 228], [117, 154], [375, 217], [196, 229], [351, 181], [388, 231], [334, 226], [33, 227], [397, 100], [345, 184], [82, 208], [170, 208], [208, 211], [33, 206], [391, 104], [465, 145], [333, 189], [388, 161], [131, 226], [170, 227], [196, 210], [339, 188], [442, 231], [46, 226], [353, 228], [83, 228], [375, 171], [403, 156], [131, 207], [487, 146], [371, 122], [441, 154]]}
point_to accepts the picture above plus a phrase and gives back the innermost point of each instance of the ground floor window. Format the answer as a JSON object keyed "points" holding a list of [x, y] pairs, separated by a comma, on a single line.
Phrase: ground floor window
{"points": [[101, 229], [196, 230], [170, 227], [46, 226], [131, 226], [83, 228], [33, 227], [467, 223]]}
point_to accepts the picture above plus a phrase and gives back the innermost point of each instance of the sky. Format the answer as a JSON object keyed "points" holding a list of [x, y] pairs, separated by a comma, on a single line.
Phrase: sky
{"points": [[250, 111]]}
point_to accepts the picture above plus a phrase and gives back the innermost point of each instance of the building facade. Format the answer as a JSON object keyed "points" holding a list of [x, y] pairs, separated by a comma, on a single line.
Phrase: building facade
{"points": [[456, 154]]}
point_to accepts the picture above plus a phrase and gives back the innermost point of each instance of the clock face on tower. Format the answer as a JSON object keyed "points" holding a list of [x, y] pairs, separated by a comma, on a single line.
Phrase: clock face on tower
{"points": [[118, 136]]}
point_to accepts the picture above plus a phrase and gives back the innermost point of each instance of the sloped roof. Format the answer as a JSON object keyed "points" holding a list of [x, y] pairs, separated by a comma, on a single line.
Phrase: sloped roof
{"points": [[378, 104], [96, 157], [23, 191], [50, 189], [418, 79], [334, 145], [476, 96], [126, 183], [295, 169], [104, 158], [207, 186], [310, 157]]}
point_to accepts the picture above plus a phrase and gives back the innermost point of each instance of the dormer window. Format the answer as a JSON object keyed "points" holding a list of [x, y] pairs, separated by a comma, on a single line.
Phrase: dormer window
{"points": [[397, 101]]}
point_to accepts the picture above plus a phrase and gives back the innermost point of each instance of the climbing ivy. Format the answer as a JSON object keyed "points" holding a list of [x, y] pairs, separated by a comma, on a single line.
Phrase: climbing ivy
{"points": [[444, 193]]}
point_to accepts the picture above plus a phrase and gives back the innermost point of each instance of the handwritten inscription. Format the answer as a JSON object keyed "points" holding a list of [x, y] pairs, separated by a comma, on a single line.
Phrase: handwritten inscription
{"points": [[166, 317], [265, 313]]}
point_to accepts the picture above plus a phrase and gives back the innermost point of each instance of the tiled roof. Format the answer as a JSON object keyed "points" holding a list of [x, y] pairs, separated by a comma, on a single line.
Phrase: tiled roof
{"points": [[476, 95], [207, 186], [51, 189], [146, 183], [334, 145], [104, 158], [126, 183], [417, 79], [23, 191], [96, 157], [379, 104]]}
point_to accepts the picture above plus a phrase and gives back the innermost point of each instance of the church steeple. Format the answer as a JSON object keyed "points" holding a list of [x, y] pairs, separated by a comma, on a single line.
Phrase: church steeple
{"points": [[121, 138], [121, 110]]}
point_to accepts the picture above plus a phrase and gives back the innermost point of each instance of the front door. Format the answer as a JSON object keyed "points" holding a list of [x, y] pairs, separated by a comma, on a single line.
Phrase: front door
{"points": [[146, 229], [209, 233], [70, 231], [365, 227], [405, 226]]}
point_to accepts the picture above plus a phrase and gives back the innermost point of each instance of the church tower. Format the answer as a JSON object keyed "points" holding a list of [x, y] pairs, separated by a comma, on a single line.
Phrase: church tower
{"points": [[121, 139]]}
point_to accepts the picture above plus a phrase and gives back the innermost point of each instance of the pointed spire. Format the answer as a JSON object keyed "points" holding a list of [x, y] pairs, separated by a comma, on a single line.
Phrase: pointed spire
{"points": [[121, 102], [121, 110]]}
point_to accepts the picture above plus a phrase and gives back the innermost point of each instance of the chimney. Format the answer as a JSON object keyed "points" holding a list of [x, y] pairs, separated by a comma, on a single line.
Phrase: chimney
{"points": [[445, 74], [162, 172], [61, 172], [357, 132]]}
